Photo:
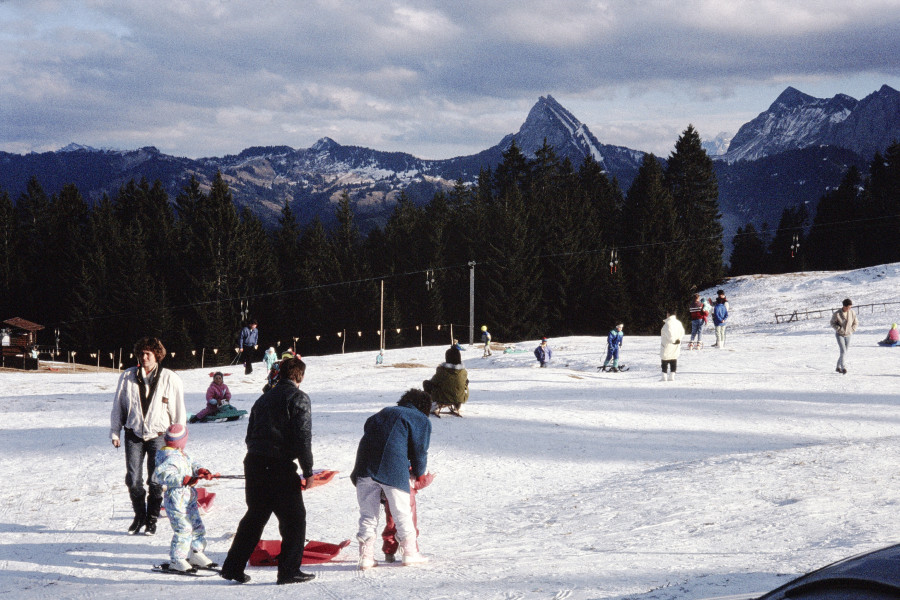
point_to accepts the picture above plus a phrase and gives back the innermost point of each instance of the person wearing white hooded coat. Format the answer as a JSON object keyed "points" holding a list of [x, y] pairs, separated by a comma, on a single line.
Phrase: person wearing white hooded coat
{"points": [[670, 345]]}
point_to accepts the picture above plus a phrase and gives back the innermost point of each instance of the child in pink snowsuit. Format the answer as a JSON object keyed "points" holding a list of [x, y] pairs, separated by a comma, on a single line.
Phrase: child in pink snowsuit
{"points": [[389, 535], [217, 395]]}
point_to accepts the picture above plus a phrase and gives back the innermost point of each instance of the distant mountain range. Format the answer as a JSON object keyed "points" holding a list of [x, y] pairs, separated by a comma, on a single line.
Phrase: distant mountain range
{"points": [[791, 153]]}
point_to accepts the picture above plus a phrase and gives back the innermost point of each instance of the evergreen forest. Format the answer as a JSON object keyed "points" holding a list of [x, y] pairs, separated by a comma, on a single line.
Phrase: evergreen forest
{"points": [[555, 249]]}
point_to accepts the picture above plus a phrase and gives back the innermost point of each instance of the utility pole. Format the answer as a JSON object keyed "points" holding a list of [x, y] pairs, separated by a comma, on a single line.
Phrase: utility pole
{"points": [[471, 302]]}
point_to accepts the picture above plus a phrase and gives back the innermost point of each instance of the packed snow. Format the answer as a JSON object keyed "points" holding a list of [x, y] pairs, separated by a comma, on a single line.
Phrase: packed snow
{"points": [[756, 464]]}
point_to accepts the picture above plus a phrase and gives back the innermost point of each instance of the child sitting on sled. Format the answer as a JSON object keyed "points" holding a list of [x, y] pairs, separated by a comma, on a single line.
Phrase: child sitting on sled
{"points": [[179, 473], [217, 395]]}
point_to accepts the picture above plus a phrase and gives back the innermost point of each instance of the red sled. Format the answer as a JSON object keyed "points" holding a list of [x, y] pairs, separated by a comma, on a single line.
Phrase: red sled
{"points": [[266, 552], [204, 500], [320, 478]]}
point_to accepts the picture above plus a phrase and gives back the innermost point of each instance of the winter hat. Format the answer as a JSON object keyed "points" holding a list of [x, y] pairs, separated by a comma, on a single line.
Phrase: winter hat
{"points": [[543, 340], [893, 326], [484, 327], [453, 356], [176, 436], [270, 350]]}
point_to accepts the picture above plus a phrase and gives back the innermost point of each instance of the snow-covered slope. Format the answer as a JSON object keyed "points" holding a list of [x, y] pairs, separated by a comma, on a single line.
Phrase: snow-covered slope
{"points": [[758, 463]]}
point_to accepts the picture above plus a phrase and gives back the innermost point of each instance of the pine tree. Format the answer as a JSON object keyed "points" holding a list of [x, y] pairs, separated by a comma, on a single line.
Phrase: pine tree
{"points": [[8, 259], [830, 244], [691, 180], [748, 255], [651, 256]]}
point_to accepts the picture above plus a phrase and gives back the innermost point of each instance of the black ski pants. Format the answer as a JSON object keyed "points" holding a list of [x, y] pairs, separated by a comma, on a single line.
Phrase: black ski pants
{"points": [[272, 486]]}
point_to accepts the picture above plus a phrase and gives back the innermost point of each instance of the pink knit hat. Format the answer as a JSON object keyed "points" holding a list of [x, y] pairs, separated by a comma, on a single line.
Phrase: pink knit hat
{"points": [[176, 436]]}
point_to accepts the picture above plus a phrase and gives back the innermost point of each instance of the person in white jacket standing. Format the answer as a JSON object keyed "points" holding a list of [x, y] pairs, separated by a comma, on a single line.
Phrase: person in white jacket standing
{"points": [[670, 345], [148, 400]]}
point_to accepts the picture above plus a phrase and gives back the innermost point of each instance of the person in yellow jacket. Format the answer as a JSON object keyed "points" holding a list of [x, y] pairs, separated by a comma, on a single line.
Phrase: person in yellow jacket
{"points": [[449, 387]]}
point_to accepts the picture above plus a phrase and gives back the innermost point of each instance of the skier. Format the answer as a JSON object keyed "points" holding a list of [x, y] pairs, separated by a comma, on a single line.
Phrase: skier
{"points": [[449, 386], [486, 338], [148, 399], [720, 316], [670, 344], [613, 343], [844, 323], [543, 353], [697, 319], [176, 470], [217, 395], [392, 452], [248, 342]]}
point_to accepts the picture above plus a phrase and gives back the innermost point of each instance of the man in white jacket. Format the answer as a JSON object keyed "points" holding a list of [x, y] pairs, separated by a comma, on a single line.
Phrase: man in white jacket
{"points": [[670, 344], [148, 399]]}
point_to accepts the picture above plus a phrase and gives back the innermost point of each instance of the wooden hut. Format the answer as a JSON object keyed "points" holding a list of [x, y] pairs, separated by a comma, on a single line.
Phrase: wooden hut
{"points": [[18, 340]]}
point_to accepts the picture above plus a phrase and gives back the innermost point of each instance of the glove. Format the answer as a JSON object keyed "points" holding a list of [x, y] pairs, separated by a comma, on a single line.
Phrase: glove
{"points": [[677, 342], [423, 481], [204, 474], [189, 481]]}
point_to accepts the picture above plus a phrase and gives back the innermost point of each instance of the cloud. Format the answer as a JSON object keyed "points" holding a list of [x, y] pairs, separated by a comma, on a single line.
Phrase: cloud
{"points": [[215, 76]]}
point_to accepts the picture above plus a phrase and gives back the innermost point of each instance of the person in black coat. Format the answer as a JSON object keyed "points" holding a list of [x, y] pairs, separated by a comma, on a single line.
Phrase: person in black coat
{"points": [[278, 433]]}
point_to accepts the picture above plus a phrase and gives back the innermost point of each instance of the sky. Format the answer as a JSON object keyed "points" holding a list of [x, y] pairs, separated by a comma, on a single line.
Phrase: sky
{"points": [[200, 78]]}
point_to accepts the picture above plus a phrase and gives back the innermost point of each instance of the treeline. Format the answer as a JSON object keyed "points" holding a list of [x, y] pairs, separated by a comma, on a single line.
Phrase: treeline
{"points": [[856, 225], [558, 250]]}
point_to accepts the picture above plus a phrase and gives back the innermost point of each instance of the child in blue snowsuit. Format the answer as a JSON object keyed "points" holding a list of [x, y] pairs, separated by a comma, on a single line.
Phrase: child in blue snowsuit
{"points": [[613, 343], [180, 473]]}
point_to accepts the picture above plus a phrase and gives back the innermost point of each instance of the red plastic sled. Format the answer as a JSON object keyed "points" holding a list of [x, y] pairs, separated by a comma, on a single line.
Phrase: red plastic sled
{"points": [[320, 478], [266, 552]]}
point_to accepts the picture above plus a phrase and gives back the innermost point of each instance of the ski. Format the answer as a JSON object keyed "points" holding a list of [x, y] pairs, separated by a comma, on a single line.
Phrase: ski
{"points": [[620, 369], [195, 572]]}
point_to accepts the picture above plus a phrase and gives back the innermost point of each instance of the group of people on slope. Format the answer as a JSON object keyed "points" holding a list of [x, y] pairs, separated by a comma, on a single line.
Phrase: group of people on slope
{"points": [[390, 466], [700, 310]]}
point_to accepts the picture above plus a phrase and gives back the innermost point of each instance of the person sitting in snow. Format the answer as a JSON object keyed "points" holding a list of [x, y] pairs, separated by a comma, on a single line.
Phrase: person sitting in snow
{"points": [[176, 470], [543, 353], [892, 338], [274, 373], [613, 343], [217, 396], [450, 384]]}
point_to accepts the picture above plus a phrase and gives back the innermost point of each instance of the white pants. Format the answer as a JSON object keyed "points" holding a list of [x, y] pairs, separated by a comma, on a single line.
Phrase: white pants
{"points": [[368, 494]]}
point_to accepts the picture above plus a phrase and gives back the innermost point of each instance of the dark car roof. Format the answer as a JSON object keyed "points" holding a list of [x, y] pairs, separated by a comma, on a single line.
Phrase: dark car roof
{"points": [[872, 575]]}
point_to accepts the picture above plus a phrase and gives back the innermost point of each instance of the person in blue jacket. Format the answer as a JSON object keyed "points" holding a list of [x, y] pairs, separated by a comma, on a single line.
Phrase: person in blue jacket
{"points": [[543, 353], [247, 344], [613, 343], [392, 452], [720, 316]]}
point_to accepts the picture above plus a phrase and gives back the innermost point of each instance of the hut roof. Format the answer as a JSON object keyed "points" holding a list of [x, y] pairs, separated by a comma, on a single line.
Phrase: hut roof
{"points": [[21, 323]]}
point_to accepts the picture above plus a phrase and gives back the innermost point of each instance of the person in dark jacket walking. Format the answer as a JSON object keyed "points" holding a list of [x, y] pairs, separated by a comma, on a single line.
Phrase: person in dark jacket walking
{"points": [[278, 433], [543, 353], [392, 452], [247, 344]]}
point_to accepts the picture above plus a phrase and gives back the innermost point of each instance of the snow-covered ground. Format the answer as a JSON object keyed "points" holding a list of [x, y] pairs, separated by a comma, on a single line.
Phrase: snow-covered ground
{"points": [[758, 463]]}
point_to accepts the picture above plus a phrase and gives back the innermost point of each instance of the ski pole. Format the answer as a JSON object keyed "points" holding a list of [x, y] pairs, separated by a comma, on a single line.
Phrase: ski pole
{"points": [[231, 477]]}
